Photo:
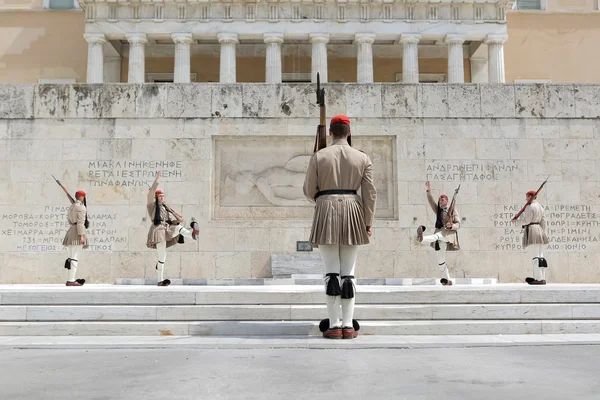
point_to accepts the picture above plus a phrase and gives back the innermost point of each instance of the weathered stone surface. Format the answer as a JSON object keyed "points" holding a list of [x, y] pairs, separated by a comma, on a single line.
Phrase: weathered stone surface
{"points": [[433, 101], [189, 100], [560, 101], [587, 98], [152, 101], [497, 101], [464, 101], [118, 100], [530, 101], [16, 101], [400, 101], [363, 100], [259, 100], [51, 101], [227, 101]]}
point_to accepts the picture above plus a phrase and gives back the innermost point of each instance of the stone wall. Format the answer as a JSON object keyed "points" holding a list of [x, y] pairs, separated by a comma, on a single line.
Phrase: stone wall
{"points": [[234, 156]]}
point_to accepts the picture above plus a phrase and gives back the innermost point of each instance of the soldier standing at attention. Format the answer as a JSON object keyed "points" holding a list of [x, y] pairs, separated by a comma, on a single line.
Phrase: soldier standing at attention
{"points": [[76, 239], [342, 220]]}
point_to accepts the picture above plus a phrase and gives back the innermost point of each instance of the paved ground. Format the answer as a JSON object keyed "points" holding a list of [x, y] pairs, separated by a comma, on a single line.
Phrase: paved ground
{"points": [[523, 372]]}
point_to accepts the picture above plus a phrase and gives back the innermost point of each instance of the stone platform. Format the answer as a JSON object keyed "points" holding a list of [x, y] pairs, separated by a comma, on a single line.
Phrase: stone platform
{"points": [[305, 280], [106, 310]]}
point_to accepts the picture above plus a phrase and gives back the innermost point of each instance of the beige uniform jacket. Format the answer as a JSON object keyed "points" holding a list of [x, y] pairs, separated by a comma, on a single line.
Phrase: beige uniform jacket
{"points": [[165, 232], [76, 218], [534, 225], [341, 219], [451, 235]]}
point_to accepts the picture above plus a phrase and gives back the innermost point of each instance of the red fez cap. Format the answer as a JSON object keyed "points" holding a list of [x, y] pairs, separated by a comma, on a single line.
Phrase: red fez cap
{"points": [[80, 193], [340, 119], [444, 197], [158, 192], [531, 193]]}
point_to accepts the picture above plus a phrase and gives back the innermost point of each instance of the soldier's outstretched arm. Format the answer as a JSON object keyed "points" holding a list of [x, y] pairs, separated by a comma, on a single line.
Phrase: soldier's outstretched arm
{"points": [[430, 198], [153, 188]]}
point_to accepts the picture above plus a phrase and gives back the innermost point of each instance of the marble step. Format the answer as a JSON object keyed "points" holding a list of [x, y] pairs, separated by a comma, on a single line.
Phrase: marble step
{"points": [[295, 328], [286, 312], [283, 265], [248, 295], [303, 279]]}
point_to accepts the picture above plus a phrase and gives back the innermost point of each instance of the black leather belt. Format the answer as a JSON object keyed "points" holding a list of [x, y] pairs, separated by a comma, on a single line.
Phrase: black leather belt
{"points": [[533, 223], [335, 191]]}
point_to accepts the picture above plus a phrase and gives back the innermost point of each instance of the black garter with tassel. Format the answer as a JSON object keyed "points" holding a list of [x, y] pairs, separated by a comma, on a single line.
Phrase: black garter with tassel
{"points": [[347, 287], [333, 285], [68, 263]]}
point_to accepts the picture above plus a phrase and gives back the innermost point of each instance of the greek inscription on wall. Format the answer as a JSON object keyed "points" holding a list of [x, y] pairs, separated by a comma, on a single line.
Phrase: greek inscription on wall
{"points": [[43, 230], [471, 171], [569, 227], [131, 173]]}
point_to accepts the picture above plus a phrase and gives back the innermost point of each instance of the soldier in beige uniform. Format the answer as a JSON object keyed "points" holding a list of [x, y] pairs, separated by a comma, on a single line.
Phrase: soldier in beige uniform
{"points": [[75, 240], [342, 220], [164, 231], [445, 236], [534, 237]]}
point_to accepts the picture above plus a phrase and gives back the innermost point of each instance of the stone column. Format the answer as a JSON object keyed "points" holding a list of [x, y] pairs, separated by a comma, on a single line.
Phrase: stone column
{"points": [[364, 72], [137, 58], [228, 70], [112, 69], [496, 58], [319, 56], [456, 64], [479, 70], [182, 57], [410, 57], [95, 65], [273, 63]]}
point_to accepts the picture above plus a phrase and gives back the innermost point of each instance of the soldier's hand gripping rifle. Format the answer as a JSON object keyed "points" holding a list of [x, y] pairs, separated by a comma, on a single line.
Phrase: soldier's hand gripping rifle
{"points": [[452, 208], [321, 138], [71, 199], [516, 217]]}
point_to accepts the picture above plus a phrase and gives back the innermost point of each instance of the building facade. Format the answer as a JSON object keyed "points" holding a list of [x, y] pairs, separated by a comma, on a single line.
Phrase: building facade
{"points": [[399, 41]]}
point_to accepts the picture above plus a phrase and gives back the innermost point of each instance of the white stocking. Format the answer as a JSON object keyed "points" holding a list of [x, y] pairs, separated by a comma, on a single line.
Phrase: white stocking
{"points": [[161, 254], [441, 259], [348, 256], [73, 252], [537, 251], [183, 231], [331, 259]]}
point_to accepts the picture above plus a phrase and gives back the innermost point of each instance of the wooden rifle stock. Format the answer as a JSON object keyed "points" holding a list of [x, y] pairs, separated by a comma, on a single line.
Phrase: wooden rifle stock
{"points": [[516, 217], [71, 199], [452, 207], [169, 209], [321, 138]]}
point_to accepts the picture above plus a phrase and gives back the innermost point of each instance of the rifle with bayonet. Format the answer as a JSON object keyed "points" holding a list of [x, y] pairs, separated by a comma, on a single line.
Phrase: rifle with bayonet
{"points": [[321, 138], [452, 207], [71, 199], [516, 217]]}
